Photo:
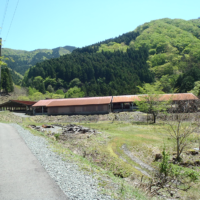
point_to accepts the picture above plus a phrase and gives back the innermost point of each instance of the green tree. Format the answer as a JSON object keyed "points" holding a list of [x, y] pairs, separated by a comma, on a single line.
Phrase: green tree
{"points": [[74, 92], [50, 89], [6, 80], [75, 82], [39, 84], [164, 181], [60, 91], [196, 89], [50, 81], [150, 100], [32, 91]]}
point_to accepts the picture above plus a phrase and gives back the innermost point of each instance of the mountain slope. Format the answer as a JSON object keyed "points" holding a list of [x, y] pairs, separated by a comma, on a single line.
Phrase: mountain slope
{"points": [[165, 49], [20, 60], [173, 45]]}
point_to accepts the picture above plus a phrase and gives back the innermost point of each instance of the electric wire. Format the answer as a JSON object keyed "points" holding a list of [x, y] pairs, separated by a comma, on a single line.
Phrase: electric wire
{"points": [[11, 21], [5, 11]]}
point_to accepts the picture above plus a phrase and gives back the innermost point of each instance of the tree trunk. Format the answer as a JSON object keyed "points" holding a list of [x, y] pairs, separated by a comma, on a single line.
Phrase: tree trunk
{"points": [[178, 149], [154, 118]]}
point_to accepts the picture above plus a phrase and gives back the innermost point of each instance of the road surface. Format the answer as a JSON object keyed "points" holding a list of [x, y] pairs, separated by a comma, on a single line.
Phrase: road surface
{"points": [[21, 175]]}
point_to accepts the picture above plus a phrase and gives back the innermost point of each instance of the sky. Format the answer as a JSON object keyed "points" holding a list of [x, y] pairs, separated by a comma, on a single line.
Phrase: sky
{"points": [[47, 24]]}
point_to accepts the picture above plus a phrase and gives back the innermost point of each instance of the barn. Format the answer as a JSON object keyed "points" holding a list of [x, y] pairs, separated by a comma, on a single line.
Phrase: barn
{"points": [[17, 106], [180, 102], [124, 103], [74, 106]]}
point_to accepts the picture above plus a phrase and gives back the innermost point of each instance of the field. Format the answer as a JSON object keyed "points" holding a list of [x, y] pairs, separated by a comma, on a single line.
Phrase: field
{"points": [[121, 153]]}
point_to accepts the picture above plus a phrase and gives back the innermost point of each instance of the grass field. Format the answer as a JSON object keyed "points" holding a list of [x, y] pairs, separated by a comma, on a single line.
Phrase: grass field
{"points": [[103, 154]]}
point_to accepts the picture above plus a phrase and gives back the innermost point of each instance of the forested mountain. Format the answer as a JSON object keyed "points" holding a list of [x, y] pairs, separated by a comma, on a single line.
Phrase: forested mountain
{"points": [[165, 50], [20, 60]]}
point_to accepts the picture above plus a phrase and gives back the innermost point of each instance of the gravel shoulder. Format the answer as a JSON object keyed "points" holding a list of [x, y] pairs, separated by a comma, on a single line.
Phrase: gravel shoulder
{"points": [[72, 181]]}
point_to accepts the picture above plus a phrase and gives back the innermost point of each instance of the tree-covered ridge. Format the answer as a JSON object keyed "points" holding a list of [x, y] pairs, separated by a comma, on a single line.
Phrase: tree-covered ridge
{"points": [[104, 73], [172, 54], [20, 60], [173, 44]]}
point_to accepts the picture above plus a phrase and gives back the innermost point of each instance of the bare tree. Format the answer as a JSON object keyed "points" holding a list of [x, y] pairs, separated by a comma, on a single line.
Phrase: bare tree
{"points": [[179, 129]]}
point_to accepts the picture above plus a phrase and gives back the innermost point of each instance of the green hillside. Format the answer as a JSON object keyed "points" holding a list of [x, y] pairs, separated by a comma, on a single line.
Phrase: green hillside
{"points": [[20, 60], [165, 50]]}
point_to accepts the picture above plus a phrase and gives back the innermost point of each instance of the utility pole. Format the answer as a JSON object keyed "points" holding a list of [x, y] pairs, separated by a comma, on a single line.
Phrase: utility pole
{"points": [[0, 64]]}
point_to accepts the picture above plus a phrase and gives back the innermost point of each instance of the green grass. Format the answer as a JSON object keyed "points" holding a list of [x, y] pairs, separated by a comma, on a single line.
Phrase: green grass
{"points": [[104, 152]]}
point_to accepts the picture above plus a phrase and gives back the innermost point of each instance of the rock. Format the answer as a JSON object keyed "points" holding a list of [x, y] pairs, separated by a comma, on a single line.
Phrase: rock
{"points": [[47, 126], [158, 156], [192, 152]]}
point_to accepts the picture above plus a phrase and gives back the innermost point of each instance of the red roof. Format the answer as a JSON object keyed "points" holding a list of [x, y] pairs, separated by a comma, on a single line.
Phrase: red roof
{"points": [[74, 101], [43, 102], [125, 98], [178, 97], [163, 97], [80, 101], [28, 103]]}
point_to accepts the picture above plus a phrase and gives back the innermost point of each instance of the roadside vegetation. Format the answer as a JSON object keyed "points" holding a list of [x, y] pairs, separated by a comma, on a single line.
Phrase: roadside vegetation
{"points": [[110, 155]]}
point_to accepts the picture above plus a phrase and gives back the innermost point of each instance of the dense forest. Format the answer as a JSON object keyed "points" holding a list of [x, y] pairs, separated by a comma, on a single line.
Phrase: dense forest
{"points": [[6, 80], [98, 74], [166, 51]]}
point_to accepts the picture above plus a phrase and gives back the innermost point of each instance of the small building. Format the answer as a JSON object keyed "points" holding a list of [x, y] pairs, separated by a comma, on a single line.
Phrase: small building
{"points": [[40, 108], [180, 102], [17, 106], [124, 103], [74, 106]]}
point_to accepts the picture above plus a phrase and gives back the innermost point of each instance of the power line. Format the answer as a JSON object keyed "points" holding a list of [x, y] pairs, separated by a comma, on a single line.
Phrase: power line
{"points": [[11, 21], [5, 11]]}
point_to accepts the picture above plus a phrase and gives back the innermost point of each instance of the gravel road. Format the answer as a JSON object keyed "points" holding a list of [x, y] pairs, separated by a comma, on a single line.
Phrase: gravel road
{"points": [[73, 182]]}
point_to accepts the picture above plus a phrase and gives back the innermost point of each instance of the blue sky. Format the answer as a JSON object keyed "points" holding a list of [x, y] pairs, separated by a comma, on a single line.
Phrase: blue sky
{"points": [[43, 24]]}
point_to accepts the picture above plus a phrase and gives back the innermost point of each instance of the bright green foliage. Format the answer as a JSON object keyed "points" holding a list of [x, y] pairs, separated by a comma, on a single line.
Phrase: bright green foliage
{"points": [[164, 166], [74, 92], [32, 91], [75, 82], [174, 47], [149, 102], [196, 89], [60, 92], [39, 84], [50, 81], [170, 175], [58, 96], [112, 47], [6, 80]]}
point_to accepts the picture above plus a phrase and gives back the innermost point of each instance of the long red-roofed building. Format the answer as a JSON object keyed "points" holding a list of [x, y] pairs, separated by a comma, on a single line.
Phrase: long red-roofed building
{"points": [[102, 105]]}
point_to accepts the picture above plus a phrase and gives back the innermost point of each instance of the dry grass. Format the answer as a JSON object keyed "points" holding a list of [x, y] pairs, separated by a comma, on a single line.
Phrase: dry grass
{"points": [[103, 155]]}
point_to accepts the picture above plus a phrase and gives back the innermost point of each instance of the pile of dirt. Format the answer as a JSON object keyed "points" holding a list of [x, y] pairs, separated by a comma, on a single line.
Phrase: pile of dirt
{"points": [[75, 129]]}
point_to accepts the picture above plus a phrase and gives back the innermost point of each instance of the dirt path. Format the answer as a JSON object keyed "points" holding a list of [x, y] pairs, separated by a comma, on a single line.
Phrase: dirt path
{"points": [[138, 161]]}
